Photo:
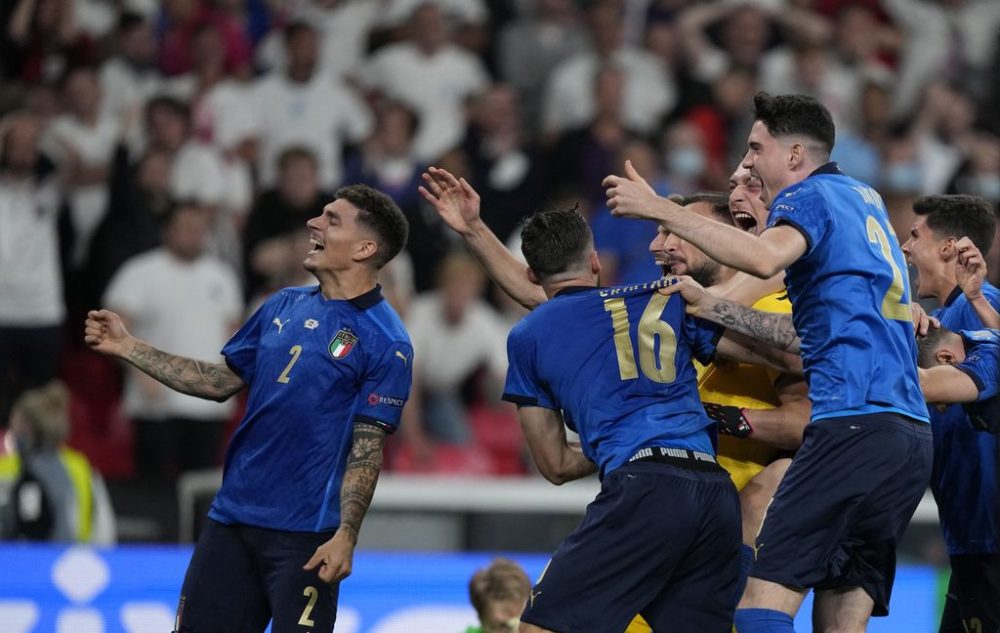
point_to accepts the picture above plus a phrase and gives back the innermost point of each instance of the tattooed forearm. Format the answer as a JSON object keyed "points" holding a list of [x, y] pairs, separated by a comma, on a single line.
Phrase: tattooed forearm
{"points": [[774, 329], [213, 381], [364, 462]]}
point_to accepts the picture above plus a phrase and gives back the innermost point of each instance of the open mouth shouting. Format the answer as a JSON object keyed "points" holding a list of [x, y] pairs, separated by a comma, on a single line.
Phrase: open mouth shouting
{"points": [[745, 221]]}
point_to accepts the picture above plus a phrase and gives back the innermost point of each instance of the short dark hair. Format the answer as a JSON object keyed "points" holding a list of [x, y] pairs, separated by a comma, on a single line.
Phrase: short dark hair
{"points": [[799, 115], [959, 215], [382, 215], [170, 104], [296, 152], [928, 344], [554, 240], [718, 200]]}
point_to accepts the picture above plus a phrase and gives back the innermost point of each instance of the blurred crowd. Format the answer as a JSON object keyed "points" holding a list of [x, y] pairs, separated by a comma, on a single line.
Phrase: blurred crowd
{"points": [[161, 159]]}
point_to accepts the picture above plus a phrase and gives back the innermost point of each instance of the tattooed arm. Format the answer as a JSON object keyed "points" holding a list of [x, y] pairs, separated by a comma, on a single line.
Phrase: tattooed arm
{"points": [[364, 463], [105, 333], [773, 329]]}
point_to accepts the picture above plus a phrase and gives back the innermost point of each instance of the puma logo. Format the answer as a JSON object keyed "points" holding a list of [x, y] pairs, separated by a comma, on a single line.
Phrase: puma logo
{"points": [[280, 325], [401, 356]]}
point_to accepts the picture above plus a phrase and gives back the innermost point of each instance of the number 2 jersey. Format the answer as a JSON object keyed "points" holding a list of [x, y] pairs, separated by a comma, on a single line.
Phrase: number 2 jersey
{"points": [[850, 299], [617, 362], [315, 368]]}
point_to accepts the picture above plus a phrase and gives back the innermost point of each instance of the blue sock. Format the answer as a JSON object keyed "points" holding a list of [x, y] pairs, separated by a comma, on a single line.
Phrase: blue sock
{"points": [[763, 621], [746, 559]]}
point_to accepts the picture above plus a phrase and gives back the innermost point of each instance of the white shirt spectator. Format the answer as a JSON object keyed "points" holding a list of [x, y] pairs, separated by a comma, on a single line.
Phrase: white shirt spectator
{"points": [[68, 138], [318, 115], [343, 30], [189, 308], [126, 88], [30, 280], [649, 91], [436, 87], [446, 353]]}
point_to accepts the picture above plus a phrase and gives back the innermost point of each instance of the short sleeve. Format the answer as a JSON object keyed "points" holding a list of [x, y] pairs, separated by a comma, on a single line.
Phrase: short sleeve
{"points": [[807, 212], [241, 350], [703, 337], [983, 366], [386, 388], [524, 387]]}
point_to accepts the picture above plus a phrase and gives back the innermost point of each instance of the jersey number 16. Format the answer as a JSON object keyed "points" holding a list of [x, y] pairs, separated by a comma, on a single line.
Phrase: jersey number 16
{"points": [[656, 367]]}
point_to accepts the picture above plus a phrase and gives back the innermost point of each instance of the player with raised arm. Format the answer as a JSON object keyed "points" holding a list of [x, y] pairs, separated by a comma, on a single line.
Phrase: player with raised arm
{"points": [[944, 246], [850, 298], [614, 364], [329, 369]]}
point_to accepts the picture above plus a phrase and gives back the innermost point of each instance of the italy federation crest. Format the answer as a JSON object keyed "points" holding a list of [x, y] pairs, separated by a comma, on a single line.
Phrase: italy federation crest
{"points": [[342, 344]]}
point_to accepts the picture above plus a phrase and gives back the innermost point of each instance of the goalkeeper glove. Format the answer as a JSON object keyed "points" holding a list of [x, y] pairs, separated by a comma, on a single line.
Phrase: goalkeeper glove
{"points": [[732, 420]]}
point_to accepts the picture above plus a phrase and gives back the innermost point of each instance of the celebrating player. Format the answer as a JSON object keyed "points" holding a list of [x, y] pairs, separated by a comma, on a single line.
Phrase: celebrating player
{"points": [[868, 432], [944, 246], [329, 368]]}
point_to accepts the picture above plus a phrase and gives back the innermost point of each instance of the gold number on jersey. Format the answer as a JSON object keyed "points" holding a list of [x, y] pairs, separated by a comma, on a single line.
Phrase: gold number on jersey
{"points": [[295, 352], [893, 306], [656, 367], [313, 594]]}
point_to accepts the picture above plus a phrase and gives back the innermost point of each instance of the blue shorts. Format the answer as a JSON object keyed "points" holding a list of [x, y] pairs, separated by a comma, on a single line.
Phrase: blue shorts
{"points": [[844, 503], [240, 578], [662, 539]]}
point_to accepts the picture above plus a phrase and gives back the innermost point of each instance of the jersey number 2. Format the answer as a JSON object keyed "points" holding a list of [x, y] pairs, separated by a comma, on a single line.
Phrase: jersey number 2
{"points": [[294, 352], [656, 367], [893, 306]]}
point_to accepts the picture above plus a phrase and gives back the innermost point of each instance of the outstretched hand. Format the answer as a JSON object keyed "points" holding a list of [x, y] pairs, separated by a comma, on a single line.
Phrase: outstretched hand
{"points": [[454, 199], [630, 196], [104, 332]]}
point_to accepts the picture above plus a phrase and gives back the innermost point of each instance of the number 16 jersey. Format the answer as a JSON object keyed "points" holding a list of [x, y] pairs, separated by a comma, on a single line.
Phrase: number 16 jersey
{"points": [[617, 362]]}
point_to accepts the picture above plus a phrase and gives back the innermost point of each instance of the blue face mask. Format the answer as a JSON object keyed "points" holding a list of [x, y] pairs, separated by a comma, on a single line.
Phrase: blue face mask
{"points": [[902, 178], [686, 162]]}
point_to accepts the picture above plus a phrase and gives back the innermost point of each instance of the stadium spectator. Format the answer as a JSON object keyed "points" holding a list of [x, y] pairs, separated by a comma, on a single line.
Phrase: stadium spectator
{"points": [[432, 76], [498, 593], [178, 297], [50, 492], [82, 142], [36, 39], [274, 237], [129, 78], [648, 91], [180, 22], [302, 106], [530, 47], [31, 282], [455, 334]]}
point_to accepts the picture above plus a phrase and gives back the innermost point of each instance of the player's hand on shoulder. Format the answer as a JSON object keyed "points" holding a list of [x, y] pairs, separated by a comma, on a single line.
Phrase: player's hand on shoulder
{"points": [[922, 322], [694, 293], [105, 332], [333, 559], [454, 198]]}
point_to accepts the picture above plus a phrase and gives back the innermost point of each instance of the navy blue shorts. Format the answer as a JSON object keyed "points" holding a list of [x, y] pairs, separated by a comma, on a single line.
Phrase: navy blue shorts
{"points": [[660, 539], [844, 504], [240, 578], [972, 602]]}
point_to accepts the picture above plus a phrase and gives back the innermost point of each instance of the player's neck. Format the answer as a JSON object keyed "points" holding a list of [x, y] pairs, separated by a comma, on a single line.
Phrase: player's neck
{"points": [[944, 285], [347, 284], [554, 284]]}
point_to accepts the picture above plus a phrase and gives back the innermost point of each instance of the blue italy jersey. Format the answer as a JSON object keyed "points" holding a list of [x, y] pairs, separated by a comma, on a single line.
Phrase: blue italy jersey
{"points": [[315, 367], [966, 469], [617, 362], [850, 299]]}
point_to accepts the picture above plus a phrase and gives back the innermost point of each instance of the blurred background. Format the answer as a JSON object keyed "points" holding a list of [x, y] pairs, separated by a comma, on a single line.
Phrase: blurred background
{"points": [[161, 158]]}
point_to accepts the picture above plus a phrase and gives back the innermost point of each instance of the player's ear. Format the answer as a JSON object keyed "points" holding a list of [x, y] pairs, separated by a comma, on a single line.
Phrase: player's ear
{"points": [[945, 356], [366, 250], [947, 249], [796, 154], [595, 263]]}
